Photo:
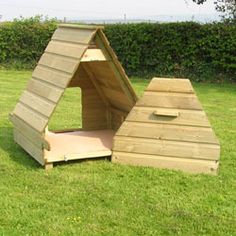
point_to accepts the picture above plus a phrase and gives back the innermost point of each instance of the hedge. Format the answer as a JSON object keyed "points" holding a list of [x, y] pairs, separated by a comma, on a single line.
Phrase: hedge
{"points": [[206, 51]]}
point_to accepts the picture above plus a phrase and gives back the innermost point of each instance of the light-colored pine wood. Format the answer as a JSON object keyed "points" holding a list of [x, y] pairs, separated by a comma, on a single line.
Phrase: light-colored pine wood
{"points": [[170, 85], [45, 90], [47, 74], [79, 36], [29, 147], [186, 117], [38, 103], [115, 65], [66, 49], [77, 26], [93, 80], [168, 132], [164, 162], [170, 100], [167, 148], [35, 137], [48, 166], [168, 113], [58, 62], [93, 55], [30, 117]]}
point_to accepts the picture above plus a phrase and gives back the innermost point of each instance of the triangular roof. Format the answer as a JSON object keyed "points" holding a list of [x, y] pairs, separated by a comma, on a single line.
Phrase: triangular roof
{"points": [[56, 69], [168, 128]]}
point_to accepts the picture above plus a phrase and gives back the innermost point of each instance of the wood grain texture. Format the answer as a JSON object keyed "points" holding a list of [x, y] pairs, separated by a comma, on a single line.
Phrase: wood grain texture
{"points": [[170, 100], [58, 62], [168, 132], [186, 117], [170, 85], [29, 147], [33, 135], [30, 117], [66, 49], [167, 148], [93, 55], [51, 76], [80, 36], [45, 90], [164, 162], [38, 103]]}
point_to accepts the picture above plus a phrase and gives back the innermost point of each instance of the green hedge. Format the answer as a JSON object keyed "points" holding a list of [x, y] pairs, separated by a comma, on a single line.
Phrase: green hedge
{"points": [[206, 51]]}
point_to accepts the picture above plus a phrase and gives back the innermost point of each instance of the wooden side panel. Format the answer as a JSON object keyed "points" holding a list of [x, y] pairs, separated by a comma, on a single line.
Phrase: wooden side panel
{"points": [[82, 36], [117, 118], [66, 49], [44, 90], [167, 148], [186, 117], [51, 76], [37, 103], [183, 164], [168, 132], [170, 85], [35, 137], [94, 111], [32, 118], [170, 100], [60, 63], [29, 147]]}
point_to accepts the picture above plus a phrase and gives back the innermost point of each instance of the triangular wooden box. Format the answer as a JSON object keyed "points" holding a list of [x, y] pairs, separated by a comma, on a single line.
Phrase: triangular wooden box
{"points": [[167, 128]]}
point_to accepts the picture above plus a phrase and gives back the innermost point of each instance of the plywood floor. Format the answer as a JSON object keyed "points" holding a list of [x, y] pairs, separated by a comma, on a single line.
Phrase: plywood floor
{"points": [[79, 145]]}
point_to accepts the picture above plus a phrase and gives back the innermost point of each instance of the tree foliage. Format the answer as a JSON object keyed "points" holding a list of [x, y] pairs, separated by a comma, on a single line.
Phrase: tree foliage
{"points": [[226, 7]]}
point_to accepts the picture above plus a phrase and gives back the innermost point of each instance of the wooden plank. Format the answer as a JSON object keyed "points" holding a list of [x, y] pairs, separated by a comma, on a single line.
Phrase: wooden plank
{"points": [[36, 138], [93, 55], [170, 85], [168, 113], [186, 117], [163, 162], [93, 80], [170, 100], [119, 112], [115, 94], [120, 105], [167, 148], [44, 90], [30, 117], [66, 49], [29, 147], [81, 36], [58, 62], [78, 156], [168, 132], [84, 26], [80, 79], [115, 65], [51, 76], [37, 103]]}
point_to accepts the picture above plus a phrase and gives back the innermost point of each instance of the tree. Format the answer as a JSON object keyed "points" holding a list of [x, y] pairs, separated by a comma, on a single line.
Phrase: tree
{"points": [[227, 7]]}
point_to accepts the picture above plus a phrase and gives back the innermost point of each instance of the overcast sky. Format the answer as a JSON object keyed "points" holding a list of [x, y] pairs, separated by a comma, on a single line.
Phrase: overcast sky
{"points": [[102, 9]]}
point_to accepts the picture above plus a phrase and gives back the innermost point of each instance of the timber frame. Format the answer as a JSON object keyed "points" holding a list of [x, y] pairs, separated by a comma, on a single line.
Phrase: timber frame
{"points": [[76, 56]]}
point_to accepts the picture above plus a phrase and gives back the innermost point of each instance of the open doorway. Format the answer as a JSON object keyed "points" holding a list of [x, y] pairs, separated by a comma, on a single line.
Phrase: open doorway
{"points": [[80, 126]]}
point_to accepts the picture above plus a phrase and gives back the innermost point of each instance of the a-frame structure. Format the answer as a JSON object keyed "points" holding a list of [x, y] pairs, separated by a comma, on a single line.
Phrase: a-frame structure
{"points": [[76, 56]]}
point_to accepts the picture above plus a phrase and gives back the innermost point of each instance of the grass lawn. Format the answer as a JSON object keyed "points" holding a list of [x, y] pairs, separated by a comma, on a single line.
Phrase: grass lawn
{"points": [[101, 198]]}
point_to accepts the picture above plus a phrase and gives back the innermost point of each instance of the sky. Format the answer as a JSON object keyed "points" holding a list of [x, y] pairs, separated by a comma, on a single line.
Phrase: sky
{"points": [[103, 9]]}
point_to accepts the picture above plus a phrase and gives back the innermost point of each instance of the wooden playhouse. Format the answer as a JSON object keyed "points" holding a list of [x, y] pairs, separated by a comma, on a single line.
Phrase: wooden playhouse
{"points": [[76, 56], [166, 128]]}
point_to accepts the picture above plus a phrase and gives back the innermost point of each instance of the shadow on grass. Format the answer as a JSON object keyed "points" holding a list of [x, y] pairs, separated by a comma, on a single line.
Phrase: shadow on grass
{"points": [[14, 151]]}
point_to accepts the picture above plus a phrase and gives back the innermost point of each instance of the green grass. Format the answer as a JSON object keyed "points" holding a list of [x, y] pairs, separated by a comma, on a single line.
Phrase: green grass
{"points": [[101, 198]]}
